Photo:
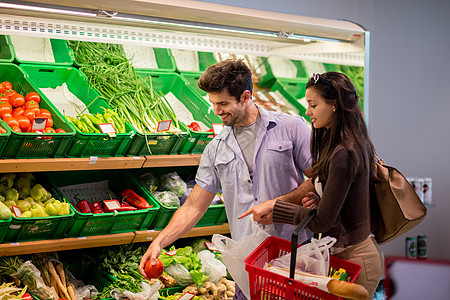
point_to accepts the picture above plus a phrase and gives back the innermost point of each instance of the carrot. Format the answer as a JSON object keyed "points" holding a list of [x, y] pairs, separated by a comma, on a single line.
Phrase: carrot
{"points": [[52, 271]]}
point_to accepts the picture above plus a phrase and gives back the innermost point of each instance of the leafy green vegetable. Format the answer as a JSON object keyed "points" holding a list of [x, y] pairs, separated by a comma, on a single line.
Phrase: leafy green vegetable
{"points": [[189, 259], [123, 283]]}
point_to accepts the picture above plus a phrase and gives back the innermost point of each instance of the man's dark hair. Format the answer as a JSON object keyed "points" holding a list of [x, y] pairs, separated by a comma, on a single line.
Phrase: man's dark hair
{"points": [[233, 75]]}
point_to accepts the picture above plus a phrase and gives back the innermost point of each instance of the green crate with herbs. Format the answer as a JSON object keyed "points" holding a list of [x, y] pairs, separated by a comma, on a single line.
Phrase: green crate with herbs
{"points": [[69, 91], [20, 105], [112, 75], [170, 187], [38, 213], [190, 108], [43, 51], [104, 202]]}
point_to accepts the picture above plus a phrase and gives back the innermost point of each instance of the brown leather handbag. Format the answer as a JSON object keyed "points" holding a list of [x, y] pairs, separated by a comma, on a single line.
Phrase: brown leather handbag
{"points": [[395, 206]]}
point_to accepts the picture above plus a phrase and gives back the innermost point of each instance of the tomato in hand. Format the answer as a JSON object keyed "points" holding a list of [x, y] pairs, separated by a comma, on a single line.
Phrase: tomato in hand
{"points": [[33, 96], [154, 271], [16, 100]]}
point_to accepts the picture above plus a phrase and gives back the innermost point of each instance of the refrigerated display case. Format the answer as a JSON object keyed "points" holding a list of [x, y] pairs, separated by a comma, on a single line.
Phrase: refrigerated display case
{"points": [[177, 25]]}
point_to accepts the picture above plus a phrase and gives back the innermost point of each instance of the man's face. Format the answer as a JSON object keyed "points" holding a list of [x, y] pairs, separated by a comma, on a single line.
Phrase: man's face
{"points": [[228, 108]]}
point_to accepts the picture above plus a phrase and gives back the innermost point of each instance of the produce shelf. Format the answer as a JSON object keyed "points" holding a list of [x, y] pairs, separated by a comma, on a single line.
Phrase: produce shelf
{"points": [[149, 235], [97, 163], [20, 248]]}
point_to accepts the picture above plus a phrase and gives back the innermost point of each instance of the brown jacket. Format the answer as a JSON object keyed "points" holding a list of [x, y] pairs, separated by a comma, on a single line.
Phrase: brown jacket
{"points": [[343, 211]]}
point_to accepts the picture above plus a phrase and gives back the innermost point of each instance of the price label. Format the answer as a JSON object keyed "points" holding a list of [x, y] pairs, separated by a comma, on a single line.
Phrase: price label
{"points": [[16, 211], [217, 128], [112, 204], [163, 125], [108, 128], [171, 253], [186, 296], [39, 123], [211, 246]]}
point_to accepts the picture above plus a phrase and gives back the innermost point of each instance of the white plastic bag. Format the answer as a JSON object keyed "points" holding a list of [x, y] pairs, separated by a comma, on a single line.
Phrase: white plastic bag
{"points": [[180, 273], [149, 292], [235, 252], [212, 267], [313, 258]]}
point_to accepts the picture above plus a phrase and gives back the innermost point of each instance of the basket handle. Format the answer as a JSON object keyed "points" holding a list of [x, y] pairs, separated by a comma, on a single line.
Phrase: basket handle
{"points": [[294, 241]]}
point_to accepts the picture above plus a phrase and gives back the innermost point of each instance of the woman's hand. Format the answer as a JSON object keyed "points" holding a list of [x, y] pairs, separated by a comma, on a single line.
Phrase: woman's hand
{"points": [[311, 200], [262, 213]]}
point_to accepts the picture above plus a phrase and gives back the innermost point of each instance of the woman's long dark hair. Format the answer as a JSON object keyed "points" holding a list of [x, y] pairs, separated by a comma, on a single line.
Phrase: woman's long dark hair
{"points": [[348, 127]]}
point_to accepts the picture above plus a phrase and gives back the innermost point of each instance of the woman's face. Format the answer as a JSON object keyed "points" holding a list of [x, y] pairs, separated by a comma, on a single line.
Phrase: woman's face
{"points": [[321, 113]]}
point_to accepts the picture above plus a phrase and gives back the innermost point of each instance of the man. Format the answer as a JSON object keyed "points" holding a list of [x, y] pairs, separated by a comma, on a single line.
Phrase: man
{"points": [[258, 156]]}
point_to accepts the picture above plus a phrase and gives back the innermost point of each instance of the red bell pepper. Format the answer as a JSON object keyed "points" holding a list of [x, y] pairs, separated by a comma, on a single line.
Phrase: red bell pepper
{"points": [[93, 209], [98, 206], [194, 126], [83, 205], [126, 206], [134, 199]]}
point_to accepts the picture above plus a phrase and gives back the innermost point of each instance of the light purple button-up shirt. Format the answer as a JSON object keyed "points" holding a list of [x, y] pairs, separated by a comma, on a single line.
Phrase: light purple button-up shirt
{"points": [[281, 156]]}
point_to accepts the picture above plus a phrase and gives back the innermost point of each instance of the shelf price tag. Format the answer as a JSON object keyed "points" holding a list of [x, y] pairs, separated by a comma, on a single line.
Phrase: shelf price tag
{"points": [[16, 211], [39, 123], [112, 204], [163, 125], [108, 128], [186, 296], [171, 253], [211, 246], [217, 128]]}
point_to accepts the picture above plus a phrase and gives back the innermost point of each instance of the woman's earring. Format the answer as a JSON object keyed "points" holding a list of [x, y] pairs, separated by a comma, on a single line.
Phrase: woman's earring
{"points": [[334, 109]]}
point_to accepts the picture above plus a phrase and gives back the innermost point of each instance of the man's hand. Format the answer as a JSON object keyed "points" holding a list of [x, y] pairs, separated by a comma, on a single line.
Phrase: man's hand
{"points": [[311, 200], [151, 254], [262, 213]]}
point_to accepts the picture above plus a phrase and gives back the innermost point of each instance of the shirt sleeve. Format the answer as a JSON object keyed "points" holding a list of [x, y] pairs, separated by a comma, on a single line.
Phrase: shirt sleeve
{"points": [[206, 176], [301, 140], [334, 195]]}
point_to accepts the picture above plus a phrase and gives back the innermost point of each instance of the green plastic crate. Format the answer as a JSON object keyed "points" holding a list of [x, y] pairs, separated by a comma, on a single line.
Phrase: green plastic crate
{"points": [[83, 144], [292, 90], [215, 215], [200, 109], [205, 59], [88, 224], [4, 226], [33, 145], [4, 137], [61, 52], [164, 60], [267, 74], [39, 228], [6, 49]]}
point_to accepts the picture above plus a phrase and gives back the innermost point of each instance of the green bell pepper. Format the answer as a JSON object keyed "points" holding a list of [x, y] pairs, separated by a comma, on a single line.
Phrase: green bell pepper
{"points": [[11, 194], [53, 207], [24, 205], [37, 211], [10, 203], [39, 193], [7, 181]]}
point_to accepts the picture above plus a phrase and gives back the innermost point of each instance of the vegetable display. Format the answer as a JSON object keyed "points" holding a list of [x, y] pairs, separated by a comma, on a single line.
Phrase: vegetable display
{"points": [[113, 76], [19, 112], [31, 198]]}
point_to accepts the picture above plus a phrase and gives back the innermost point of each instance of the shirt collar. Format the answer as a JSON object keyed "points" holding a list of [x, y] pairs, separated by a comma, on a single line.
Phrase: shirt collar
{"points": [[266, 119]]}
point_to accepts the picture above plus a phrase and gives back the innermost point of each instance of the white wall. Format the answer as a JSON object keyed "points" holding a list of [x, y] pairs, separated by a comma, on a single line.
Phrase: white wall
{"points": [[409, 92]]}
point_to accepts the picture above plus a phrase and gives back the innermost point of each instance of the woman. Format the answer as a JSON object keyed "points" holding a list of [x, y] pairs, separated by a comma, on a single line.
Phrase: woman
{"points": [[343, 158]]}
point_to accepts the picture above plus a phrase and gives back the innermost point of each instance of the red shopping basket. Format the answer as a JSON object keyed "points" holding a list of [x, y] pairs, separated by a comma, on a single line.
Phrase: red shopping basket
{"points": [[267, 285]]}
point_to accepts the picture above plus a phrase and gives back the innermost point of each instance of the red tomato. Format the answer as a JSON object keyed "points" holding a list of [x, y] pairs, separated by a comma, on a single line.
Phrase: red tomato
{"points": [[10, 93], [29, 114], [5, 109], [154, 271], [16, 100], [60, 130], [11, 121], [24, 123], [16, 129], [18, 111], [49, 130], [4, 99], [33, 96], [2, 88], [45, 113], [7, 85], [31, 104]]}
